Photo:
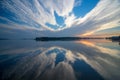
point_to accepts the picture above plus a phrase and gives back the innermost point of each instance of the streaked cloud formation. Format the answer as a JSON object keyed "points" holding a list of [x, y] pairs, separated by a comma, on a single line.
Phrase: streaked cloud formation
{"points": [[58, 17]]}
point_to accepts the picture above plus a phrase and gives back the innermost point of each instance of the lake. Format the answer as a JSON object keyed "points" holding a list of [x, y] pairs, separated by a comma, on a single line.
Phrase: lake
{"points": [[59, 60]]}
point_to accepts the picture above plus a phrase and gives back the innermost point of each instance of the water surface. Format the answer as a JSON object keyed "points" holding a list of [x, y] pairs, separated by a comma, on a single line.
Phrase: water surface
{"points": [[59, 60]]}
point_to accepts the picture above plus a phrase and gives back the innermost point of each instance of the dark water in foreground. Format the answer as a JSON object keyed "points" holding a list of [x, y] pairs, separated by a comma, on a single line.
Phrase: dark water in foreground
{"points": [[59, 60]]}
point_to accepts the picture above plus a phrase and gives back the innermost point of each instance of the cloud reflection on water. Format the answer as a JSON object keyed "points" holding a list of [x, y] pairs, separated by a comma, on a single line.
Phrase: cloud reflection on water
{"points": [[106, 61], [85, 61]]}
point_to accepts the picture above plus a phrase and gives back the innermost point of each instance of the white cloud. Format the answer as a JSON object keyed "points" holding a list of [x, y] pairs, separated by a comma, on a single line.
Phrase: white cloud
{"points": [[105, 15], [12, 25], [77, 3], [69, 20], [37, 13]]}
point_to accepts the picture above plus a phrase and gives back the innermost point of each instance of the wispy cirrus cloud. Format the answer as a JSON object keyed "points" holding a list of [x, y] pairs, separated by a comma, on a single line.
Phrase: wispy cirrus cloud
{"points": [[37, 13], [104, 16], [44, 15]]}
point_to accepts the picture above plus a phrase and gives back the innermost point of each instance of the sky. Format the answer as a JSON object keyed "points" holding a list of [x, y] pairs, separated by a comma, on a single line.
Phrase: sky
{"points": [[37, 18]]}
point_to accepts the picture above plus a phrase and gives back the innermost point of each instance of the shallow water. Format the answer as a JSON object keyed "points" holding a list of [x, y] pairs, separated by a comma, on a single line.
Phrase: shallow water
{"points": [[59, 60]]}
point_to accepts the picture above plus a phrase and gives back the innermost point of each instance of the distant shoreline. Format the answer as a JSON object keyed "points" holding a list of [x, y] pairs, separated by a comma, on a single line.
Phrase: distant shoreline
{"points": [[62, 38], [113, 38]]}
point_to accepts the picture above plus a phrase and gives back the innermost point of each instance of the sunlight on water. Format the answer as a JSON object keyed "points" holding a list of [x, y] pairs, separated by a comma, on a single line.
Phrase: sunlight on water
{"points": [[59, 60]]}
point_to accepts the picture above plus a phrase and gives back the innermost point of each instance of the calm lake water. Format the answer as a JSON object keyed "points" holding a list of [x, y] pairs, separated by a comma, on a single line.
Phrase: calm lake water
{"points": [[59, 60]]}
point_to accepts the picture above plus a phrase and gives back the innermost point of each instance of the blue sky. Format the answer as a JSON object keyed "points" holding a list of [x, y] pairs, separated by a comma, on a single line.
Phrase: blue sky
{"points": [[84, 7], [31, 18]]}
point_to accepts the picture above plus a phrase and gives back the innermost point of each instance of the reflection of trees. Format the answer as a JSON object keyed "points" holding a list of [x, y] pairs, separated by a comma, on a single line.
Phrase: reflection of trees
{"points": [[114, 39]]}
